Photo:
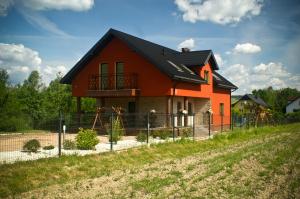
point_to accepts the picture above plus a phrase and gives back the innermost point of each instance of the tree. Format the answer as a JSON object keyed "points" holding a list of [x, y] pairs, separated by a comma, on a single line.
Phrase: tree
{"points": [[29, 95], [57, 97], [3, 88]]}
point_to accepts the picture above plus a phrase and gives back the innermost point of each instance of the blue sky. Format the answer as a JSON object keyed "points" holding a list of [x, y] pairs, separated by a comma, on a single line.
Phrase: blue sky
{"points": [[256, 42]]}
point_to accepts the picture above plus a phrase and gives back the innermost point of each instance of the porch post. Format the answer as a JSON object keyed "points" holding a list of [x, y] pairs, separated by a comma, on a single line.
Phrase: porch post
{"points": [[78, 111], [185, 105], [168, 110]]}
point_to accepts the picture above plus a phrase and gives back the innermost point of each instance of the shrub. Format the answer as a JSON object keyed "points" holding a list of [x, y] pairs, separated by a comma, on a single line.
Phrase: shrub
{"points": [[293, 117], [49, 147], [32, 145], [162, 134], [141, 137], [117, 131], [86, 139], [69, 144], [186, 132]]}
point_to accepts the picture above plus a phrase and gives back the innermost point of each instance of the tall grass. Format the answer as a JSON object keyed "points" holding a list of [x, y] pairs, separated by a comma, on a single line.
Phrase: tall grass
{"points": [[25, 176]]}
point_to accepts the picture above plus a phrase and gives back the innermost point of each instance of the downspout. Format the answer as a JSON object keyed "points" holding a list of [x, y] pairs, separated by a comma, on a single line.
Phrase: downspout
{"points": [[173, 95]]}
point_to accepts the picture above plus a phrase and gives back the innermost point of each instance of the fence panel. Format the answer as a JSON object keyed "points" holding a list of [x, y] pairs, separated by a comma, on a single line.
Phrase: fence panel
{"points": [[41, 142]]}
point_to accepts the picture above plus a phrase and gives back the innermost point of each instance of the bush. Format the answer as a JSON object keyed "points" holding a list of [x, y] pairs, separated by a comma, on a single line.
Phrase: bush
{"points": [[186, 132], [86, 139], [141, 137], [117, 131], [49, 147], [32, 145], [162, 134], [14, 123], [69, 144], [293, 117]]}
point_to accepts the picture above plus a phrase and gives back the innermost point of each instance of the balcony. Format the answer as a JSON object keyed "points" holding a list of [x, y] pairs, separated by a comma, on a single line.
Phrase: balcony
{"points": [[115, 85]]}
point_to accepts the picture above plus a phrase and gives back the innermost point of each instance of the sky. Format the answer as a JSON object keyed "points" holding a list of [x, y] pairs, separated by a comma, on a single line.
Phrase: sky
{"points": [[256, 42]]}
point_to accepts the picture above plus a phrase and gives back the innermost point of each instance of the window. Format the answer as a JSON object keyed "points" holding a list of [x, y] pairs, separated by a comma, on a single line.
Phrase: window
{"points": [[103, 80], [206, 76], [222, 109], [119, 75]]}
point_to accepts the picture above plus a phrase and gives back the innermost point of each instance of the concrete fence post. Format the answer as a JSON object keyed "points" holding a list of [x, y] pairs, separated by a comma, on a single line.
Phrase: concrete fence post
{"points": [[194, 126], [111, 131], [148, 128], [59, 133]]}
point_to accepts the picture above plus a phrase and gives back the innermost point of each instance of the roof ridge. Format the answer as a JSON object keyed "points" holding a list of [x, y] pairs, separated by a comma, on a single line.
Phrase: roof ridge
{"points": [[149, 42]]}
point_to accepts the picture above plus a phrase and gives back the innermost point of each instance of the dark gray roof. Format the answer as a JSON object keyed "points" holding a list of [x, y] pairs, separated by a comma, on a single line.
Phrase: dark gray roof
{"points": [[171, 62], [254, 98], [221, 82]]}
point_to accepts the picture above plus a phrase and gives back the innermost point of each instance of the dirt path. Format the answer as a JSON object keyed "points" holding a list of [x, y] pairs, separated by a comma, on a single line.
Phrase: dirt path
{"points": [[239, 171]]}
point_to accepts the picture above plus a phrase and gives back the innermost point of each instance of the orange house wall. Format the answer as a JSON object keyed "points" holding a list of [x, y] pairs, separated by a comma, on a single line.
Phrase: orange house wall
{"points": [[220, 96], [193, 90], [151, 81]]}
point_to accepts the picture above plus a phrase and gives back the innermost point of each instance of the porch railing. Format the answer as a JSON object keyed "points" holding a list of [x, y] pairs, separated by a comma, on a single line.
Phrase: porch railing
{"points": [[112, 82]]}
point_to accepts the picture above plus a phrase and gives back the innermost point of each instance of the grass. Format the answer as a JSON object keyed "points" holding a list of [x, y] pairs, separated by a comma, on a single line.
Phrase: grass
{"points": [[239, 164]]}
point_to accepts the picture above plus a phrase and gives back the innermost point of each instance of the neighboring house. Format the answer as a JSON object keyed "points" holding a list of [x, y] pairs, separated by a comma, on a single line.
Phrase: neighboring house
{"points": [[246, 103], [125, 71], [293, 105]]}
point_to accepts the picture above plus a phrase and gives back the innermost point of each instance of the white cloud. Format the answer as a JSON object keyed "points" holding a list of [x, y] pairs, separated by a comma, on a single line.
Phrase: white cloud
{"points": [[4, 5], [246, 48], [75, 5], [261, 76], [19, 61], [219, 59], [189, 43], [18, 54], [218, 11], [38, 20]]}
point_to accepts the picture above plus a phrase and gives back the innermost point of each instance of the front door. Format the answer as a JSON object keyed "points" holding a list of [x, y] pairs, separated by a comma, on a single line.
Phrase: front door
{"points": [[120, 75], [131, 114], [131, 107], [103, 79]]}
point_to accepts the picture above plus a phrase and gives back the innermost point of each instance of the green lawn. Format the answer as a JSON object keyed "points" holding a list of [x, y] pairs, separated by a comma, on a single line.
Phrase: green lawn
{"points": [[258, 163]]}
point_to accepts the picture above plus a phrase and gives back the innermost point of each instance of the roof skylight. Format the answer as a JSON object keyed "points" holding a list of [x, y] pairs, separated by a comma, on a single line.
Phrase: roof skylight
{"points": [[175, 66], [186, 68]]}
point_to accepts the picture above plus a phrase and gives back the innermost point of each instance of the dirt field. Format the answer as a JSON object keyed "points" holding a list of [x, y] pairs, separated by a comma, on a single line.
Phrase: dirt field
{"points": [[15, 141], [267, 167]]}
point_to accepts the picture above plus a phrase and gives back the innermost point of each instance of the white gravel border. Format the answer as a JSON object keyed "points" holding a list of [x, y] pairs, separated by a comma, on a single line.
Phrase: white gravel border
{"points": [[15, 156]]}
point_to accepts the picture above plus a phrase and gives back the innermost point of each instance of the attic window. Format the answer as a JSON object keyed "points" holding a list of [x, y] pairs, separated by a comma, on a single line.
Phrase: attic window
{"points": [[206, 76], [189, 70], [175, 66]]}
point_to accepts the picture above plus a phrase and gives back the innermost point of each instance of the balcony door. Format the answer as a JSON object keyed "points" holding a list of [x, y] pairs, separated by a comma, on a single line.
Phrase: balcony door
{"points": [[103, 76], [119, 75]]}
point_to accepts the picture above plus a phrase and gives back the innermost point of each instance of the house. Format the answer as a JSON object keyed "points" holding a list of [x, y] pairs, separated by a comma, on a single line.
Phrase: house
{"points": [[126, 71], [248, 103], [293, 105]]}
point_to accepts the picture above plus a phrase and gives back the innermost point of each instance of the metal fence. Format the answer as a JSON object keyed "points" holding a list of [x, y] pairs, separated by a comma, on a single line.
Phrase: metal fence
{"points": [[58, 136]]}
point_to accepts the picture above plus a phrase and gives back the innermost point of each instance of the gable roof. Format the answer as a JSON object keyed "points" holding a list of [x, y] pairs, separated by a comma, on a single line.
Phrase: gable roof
{"points": [[292, 99], [171, 62], [254, 98], [222, 82]]}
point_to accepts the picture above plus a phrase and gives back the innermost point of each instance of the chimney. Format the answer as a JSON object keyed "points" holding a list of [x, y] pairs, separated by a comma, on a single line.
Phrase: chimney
{"points": [[185, 50]]}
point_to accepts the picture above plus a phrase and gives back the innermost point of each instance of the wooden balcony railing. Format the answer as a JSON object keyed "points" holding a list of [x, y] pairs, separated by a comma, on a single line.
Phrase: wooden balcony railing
{"points": [[112, 82]]}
